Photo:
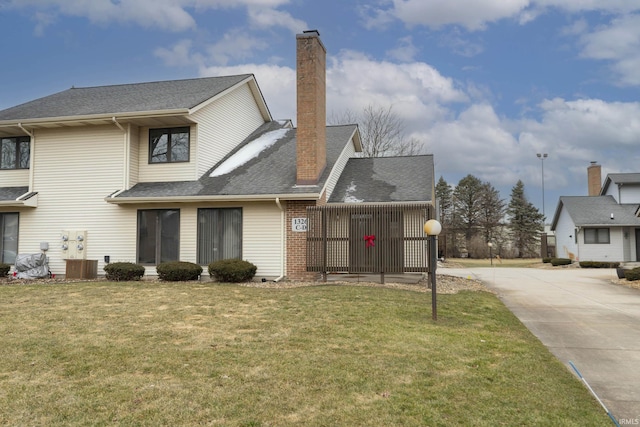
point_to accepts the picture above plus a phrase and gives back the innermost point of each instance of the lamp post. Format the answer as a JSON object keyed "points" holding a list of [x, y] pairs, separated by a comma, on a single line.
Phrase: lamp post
{"points": [[490, 253], [542, 156], [432, 228]]}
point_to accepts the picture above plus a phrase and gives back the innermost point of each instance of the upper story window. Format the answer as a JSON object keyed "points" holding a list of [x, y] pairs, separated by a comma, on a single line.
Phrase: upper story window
{"points": [[596, 235], [14, 152], [169, 145]]}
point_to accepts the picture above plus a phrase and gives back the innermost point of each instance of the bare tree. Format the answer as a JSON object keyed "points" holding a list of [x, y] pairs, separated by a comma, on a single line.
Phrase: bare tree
{"points": [[382, 132]]}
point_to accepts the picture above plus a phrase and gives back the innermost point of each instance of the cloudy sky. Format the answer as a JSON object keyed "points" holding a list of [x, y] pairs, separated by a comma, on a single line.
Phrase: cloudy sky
{"points": [[483, 84]]}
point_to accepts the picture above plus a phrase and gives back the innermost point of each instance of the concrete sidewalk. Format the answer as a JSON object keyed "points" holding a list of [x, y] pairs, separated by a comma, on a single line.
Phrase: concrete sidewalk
{"points": [[582, 317]]}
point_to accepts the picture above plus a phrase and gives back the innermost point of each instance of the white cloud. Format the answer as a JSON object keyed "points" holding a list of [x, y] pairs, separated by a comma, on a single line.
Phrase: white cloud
{"points": [[587, 123], [405, 52], [471, 14], [475, 15], [476, 142], [416, 90], [460, 45], [266, 18], [619, 43], [166, 14], [235, 45], [169, 15], [179, 55]]}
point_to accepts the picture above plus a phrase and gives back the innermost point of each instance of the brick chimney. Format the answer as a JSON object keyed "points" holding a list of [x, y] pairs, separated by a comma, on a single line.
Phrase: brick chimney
{"points": [[311, 150], [594, 177]]}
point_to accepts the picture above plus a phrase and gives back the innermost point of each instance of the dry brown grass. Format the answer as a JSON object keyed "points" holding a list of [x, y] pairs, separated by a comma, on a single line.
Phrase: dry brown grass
{"points": [[142, 353]]}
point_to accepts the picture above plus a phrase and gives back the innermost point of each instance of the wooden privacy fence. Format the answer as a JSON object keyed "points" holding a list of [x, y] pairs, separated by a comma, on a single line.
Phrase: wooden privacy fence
{"points": [[368, 238]]}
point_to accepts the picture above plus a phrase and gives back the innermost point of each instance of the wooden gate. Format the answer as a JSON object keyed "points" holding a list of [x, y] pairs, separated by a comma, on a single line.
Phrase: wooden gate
{"points": [[368, 238]]}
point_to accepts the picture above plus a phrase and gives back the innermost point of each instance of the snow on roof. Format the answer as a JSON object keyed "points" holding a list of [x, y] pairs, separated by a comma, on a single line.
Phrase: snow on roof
{"points": [[349, 197], [249, 151]]}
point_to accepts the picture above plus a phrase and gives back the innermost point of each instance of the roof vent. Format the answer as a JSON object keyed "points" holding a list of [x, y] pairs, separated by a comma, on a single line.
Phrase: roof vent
{"points": [[611, 215]]}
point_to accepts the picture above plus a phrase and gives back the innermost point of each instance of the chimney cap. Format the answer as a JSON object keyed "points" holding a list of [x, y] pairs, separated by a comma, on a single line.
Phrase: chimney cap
{"points": [[312, 32], [593, 162]]}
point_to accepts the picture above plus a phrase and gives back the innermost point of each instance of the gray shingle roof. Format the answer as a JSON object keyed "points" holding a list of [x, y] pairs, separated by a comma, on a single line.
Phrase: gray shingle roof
{"points": [[272, 172], [11, 193], [127, 98], [385, 179], [597, 210], [620, 178]]}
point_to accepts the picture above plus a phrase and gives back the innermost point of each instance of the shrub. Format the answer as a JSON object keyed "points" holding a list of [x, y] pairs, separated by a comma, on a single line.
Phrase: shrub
{"points": [[560, 261], [632, 274], [123, 271], [599, 264], [232, 270], [4, 269], [546, 260], [178, 271]]}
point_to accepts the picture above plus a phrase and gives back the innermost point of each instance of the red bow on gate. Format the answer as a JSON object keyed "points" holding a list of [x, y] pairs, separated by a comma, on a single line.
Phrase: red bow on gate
{"points": [[370, 239]]}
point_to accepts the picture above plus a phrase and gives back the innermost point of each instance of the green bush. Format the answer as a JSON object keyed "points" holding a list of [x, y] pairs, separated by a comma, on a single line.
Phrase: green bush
{"points": [[4, 269], [232, 270], [178, 271], [560, 261], [632, 274], [123, 271], [599, 264], [546, 260]]}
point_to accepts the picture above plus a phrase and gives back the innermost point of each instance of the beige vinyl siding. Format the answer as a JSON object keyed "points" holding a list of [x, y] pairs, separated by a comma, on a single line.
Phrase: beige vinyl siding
{"points": [[348, 152], [262, 238], [76, 169], [261, 234], [134, 155], [14, 177], [219, 128], [161, 172]]}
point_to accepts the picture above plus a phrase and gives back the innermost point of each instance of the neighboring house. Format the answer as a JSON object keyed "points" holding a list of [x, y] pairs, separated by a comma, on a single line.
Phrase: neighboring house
{"points": [[604, 226], [193, 170]]}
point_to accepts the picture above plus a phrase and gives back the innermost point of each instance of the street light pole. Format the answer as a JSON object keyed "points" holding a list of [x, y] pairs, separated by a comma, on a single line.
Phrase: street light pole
{"points": [[542, 156]]}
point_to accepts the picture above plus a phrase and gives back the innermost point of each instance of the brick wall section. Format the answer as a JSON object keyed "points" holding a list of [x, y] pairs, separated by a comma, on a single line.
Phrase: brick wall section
{"points": [[296, 246], [297, 243], [311, 157]]}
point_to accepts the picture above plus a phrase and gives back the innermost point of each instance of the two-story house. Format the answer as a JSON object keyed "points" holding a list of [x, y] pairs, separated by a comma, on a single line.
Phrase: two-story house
{"points": [[193, 170], [603, 226]]}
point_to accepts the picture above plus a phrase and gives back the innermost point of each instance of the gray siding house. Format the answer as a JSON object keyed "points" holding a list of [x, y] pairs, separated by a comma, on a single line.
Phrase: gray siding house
{"points": [[603, 226]]}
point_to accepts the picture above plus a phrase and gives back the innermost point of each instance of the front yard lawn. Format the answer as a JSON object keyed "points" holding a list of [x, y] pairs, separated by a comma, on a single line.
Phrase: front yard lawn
{"points": [[186, 354]]}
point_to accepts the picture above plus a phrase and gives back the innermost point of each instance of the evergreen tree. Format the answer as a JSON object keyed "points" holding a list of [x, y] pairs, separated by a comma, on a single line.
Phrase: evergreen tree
{"points": [[467, 200], [444, 195], [492, 211], [525, 221]]}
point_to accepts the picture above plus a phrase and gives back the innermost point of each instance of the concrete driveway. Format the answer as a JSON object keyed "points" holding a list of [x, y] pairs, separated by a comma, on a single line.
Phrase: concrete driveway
{"points": [[581, 317]]}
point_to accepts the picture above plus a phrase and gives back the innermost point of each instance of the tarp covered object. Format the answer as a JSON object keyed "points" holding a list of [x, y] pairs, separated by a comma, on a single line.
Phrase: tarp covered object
{"points": [[31, 266]]}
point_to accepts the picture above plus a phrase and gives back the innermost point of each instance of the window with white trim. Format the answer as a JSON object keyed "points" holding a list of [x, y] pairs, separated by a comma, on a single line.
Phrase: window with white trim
{"points": [[219, 234], [158, 236], [8, 237], [14, 152], [169, 145], [596, 236]]}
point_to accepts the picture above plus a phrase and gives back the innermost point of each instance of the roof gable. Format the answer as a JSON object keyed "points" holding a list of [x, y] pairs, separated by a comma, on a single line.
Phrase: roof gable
{"points": [[597, 211], [127, 98], [619, 178]]}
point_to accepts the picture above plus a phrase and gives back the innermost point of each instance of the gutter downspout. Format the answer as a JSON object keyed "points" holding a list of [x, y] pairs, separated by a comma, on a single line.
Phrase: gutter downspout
{"points": [[282, 240], [32, 148], [125, 178]]}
